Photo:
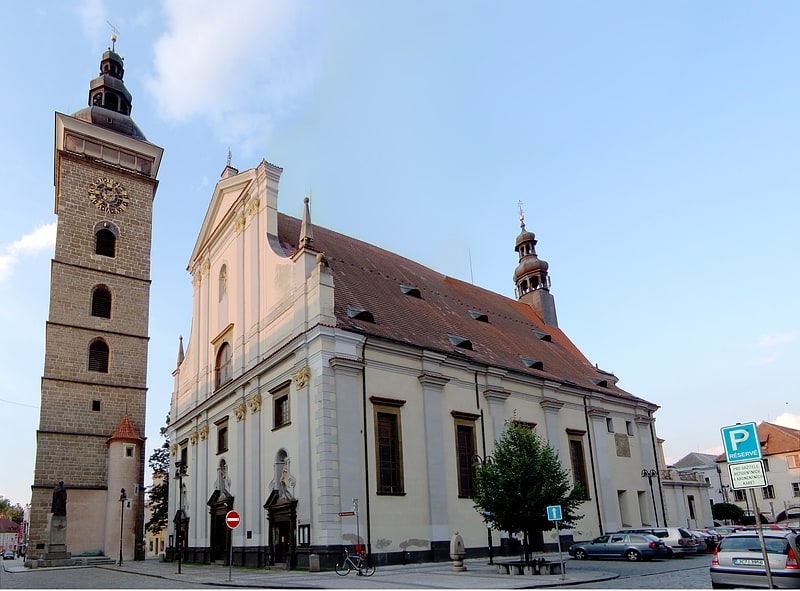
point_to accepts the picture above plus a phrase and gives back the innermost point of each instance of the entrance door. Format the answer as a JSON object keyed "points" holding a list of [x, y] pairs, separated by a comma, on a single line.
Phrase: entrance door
{"points": [[220, 538]]}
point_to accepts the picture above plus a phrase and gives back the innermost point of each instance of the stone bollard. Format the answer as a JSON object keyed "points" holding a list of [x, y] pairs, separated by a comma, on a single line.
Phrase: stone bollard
{"points": [[457, 552]]}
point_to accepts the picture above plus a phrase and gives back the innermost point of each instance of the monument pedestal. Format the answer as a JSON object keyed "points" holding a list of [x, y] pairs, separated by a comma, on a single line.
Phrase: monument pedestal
{"points": [[57, 547]]}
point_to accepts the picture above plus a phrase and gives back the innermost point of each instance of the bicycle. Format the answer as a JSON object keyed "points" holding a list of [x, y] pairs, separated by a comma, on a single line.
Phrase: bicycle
{"points": [[358, 561]]}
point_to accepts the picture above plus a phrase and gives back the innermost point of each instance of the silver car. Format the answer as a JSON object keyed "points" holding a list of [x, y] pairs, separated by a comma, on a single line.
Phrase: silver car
{"points": [[739, 562]]}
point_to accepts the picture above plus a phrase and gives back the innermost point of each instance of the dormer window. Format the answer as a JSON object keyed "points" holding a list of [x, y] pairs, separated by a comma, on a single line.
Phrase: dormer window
{"points": [[458, 341], [479, 316], [360, 314]]}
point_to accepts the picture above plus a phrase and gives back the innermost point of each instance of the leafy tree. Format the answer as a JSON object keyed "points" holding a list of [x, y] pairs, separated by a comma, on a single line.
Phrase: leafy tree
{"points": [[13, 512], [513, 490], [159, 492], [727, 511]]}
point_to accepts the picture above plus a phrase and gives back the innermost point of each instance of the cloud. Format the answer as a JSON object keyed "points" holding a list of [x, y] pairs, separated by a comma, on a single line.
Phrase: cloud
{"points": [[238, 64], [42, 238], [788, 419], [776, 340]]}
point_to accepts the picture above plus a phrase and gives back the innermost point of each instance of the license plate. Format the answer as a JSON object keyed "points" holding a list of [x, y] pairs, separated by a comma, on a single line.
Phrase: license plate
{"points": [[748, 561]]}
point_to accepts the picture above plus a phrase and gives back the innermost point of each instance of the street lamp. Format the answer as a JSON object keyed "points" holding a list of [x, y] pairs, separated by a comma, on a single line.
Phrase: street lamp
{"points": [[122, 498], [180, 472], [487, 514], [649, 474]]}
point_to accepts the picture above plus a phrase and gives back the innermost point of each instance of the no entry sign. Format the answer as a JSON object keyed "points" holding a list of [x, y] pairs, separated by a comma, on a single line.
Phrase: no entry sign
{"points": [[232, 519]]}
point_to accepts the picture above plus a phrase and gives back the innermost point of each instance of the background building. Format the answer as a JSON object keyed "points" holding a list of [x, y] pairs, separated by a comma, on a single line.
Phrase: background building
{"points": [[95, 368], [324, 374], [780, 499]]}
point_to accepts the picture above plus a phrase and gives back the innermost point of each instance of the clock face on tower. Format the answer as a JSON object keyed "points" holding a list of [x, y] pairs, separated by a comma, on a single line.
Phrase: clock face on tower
{"points": [[108, 195]]}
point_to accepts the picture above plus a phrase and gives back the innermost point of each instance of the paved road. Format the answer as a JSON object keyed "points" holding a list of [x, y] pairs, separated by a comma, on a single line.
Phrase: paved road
{"points": [[690, 572], [686, 573]]}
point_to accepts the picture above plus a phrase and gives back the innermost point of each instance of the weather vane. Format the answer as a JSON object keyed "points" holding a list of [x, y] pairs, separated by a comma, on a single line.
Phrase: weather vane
{"points": [[114, 34]]}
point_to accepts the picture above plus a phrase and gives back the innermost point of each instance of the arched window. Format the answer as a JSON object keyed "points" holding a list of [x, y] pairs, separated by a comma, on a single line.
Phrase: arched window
{"points": [[224, 366], [105, 243], [101, 302], [98, 356]]}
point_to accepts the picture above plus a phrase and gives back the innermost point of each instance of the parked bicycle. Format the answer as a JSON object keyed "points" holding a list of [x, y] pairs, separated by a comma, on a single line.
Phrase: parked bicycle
{"points": [[358, 561]]}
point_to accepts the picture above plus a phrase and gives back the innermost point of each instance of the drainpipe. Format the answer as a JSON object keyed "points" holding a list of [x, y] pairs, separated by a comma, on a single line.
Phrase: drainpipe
{"points": [[591, 463], [658, 470], [366, 448]]}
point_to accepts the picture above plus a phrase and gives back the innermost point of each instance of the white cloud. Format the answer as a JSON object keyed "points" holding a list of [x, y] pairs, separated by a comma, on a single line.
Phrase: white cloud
{"points": [[788, 419], [40, 239], [776, 340], [239, 64]]}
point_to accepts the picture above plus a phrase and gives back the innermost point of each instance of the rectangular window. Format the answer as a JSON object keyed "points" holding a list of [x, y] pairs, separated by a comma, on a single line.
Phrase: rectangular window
{"points": [[281, 416], [610, 424], [578, 461], [768, 492], [465, 451], [796, 489], [222, 437], [390, 457]]}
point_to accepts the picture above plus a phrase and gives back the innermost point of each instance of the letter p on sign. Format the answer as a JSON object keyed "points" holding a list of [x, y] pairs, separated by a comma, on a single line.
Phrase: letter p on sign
{"points": [[741, 443]]}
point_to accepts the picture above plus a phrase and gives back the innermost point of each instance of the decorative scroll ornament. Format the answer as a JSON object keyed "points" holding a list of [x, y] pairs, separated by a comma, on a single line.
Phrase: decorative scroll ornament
{"points": [[255, 403], [301, 377], [240, 411]]}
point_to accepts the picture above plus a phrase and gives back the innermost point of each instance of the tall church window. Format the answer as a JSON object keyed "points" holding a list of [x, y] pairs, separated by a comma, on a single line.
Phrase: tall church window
{"points": [[280, 408], [98, 356], [105, 243], [224, 365], [578, 460], [101, 302]]}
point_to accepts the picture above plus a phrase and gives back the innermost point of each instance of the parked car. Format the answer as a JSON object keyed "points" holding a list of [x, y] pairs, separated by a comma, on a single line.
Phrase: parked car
{"points": [[632, 547], [679, 541], [739, 561], [8, 555]]}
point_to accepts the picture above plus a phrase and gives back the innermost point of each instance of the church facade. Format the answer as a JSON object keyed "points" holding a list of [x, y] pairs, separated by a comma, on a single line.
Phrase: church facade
{"points": [[333, 393], [93, 390]]}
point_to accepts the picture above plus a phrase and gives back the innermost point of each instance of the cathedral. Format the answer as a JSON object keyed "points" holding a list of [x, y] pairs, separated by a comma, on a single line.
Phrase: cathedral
{"points": [[94, 386], [336, 394]]}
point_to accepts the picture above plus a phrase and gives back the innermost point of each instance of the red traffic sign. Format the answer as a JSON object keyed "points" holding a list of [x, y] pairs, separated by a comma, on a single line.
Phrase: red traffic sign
{"points": [[232, 519], [346, 513]]}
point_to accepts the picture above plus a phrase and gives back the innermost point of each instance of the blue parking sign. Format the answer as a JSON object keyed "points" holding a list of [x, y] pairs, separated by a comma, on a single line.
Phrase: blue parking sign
{"points": [[554, 512], [741, 443]]}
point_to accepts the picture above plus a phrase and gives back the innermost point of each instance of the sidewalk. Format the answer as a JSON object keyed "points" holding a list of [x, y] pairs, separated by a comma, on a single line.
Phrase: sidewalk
{"points": [[437, 575]]}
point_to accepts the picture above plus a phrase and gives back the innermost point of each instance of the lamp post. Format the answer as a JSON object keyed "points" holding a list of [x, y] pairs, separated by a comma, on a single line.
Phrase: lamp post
{"points": [[122, 498], [649, 474], [180, 472], [487, 514]]}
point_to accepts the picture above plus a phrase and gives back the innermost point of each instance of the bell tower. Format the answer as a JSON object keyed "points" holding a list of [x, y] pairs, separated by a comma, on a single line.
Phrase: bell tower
{"points": [[96, 334], [530, 277]]}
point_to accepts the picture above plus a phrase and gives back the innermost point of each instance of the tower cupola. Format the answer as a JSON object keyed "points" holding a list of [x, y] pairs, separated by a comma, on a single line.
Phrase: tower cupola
{"points": [[531, 279], [110, 103]]}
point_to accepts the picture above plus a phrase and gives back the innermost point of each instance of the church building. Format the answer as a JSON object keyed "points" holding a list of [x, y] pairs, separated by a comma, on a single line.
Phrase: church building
{"points": [[333, 393], [94, 386]]}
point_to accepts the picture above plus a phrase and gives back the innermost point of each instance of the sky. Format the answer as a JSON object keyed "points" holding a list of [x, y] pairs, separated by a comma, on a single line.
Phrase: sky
{"points": [[654, 148]]}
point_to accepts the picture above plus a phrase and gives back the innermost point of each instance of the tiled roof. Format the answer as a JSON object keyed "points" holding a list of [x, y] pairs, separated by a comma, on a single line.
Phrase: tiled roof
{"points": [[125, 432], [370, 278]]}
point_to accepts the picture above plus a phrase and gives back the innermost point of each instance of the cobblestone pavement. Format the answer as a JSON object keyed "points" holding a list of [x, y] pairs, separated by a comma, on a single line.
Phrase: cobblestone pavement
{"points": [[152, 574]]}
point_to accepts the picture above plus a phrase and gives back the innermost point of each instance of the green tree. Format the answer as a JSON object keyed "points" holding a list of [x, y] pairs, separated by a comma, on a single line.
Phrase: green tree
{"points": [[727, 512], [13, 512], [513, 490], [159, 492]]}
